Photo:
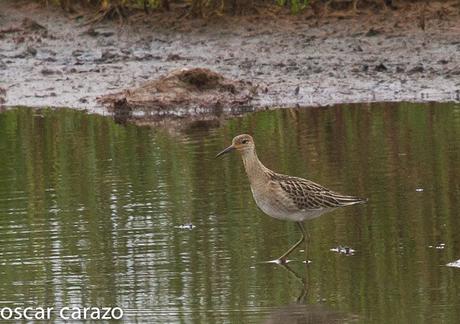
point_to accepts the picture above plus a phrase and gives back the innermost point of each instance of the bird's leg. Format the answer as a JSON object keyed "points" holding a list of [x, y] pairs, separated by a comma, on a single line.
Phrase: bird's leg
{"points": [[283, 258], [304, 231], [307, 240]]}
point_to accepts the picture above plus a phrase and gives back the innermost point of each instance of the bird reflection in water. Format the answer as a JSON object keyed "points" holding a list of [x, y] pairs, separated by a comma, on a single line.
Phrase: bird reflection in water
{"points": [[301, 312]]}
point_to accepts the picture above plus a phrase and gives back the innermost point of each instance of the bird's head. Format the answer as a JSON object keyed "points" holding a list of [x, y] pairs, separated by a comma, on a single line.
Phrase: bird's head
{"points": [[242, 143]]}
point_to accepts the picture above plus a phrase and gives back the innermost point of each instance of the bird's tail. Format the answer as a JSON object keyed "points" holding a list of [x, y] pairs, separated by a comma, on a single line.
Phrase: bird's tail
{"points": [[349, 200]]}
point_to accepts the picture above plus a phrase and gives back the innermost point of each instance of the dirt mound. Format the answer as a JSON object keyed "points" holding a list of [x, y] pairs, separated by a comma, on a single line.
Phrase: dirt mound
{"points": [[185, 91]]}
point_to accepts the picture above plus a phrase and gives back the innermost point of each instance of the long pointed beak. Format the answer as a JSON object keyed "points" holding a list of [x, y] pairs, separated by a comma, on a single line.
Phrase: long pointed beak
{"points": [[228, 149]]}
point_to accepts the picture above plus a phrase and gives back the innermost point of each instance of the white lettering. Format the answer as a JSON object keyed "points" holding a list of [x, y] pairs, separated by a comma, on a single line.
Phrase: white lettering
{"points": [[117, 310], [62, 313], [76, 313], [24, 312], [65, 313], [6, 313], [48, 313], [106, 314], [95, 313], [17, 313]]}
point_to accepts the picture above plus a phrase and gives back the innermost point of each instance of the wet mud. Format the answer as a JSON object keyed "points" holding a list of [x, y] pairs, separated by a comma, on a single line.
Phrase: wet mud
{"points": [[51, 58]]}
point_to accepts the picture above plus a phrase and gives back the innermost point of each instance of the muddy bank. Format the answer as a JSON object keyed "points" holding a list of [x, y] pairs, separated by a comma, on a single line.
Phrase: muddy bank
{"points": [[53, 59]]}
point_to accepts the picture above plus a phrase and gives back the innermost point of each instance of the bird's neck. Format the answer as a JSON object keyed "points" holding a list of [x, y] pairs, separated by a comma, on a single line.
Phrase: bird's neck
{"points": [[255, 170]]}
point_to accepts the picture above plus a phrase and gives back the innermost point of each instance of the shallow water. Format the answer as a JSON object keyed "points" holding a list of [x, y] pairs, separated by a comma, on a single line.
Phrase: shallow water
{"points": [[96, 214]]}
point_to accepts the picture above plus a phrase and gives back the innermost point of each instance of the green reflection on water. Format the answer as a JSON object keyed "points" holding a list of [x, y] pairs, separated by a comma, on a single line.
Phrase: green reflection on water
{"points": [[90, 214]]}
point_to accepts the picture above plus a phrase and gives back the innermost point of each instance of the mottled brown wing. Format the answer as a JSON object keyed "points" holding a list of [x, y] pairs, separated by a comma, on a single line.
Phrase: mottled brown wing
{"points": [[309, 195]]}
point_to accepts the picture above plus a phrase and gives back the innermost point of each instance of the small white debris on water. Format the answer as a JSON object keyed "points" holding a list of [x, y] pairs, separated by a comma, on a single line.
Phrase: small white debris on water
{"points": [[343, 250], [188, 226], [455, 264], [439, 246]]}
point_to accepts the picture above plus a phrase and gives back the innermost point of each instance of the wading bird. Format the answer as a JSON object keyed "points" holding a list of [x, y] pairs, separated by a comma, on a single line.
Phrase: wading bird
{"points": [[285, 197]]}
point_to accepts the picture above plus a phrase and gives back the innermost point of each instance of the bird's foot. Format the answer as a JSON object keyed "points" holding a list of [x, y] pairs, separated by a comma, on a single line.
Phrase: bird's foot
{"points": [[282, 260]]}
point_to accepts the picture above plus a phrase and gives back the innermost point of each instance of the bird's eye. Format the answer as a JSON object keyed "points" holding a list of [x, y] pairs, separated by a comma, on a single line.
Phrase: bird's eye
{"points": [[245, 142]]}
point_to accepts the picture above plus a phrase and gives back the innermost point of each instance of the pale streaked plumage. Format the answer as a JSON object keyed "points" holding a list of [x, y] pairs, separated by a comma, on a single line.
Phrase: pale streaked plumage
{"points": [[285, 197]]}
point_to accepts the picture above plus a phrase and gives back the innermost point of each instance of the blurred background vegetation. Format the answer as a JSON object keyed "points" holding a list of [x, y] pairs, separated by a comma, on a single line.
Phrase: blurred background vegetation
{"points": [[201, 8]]}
